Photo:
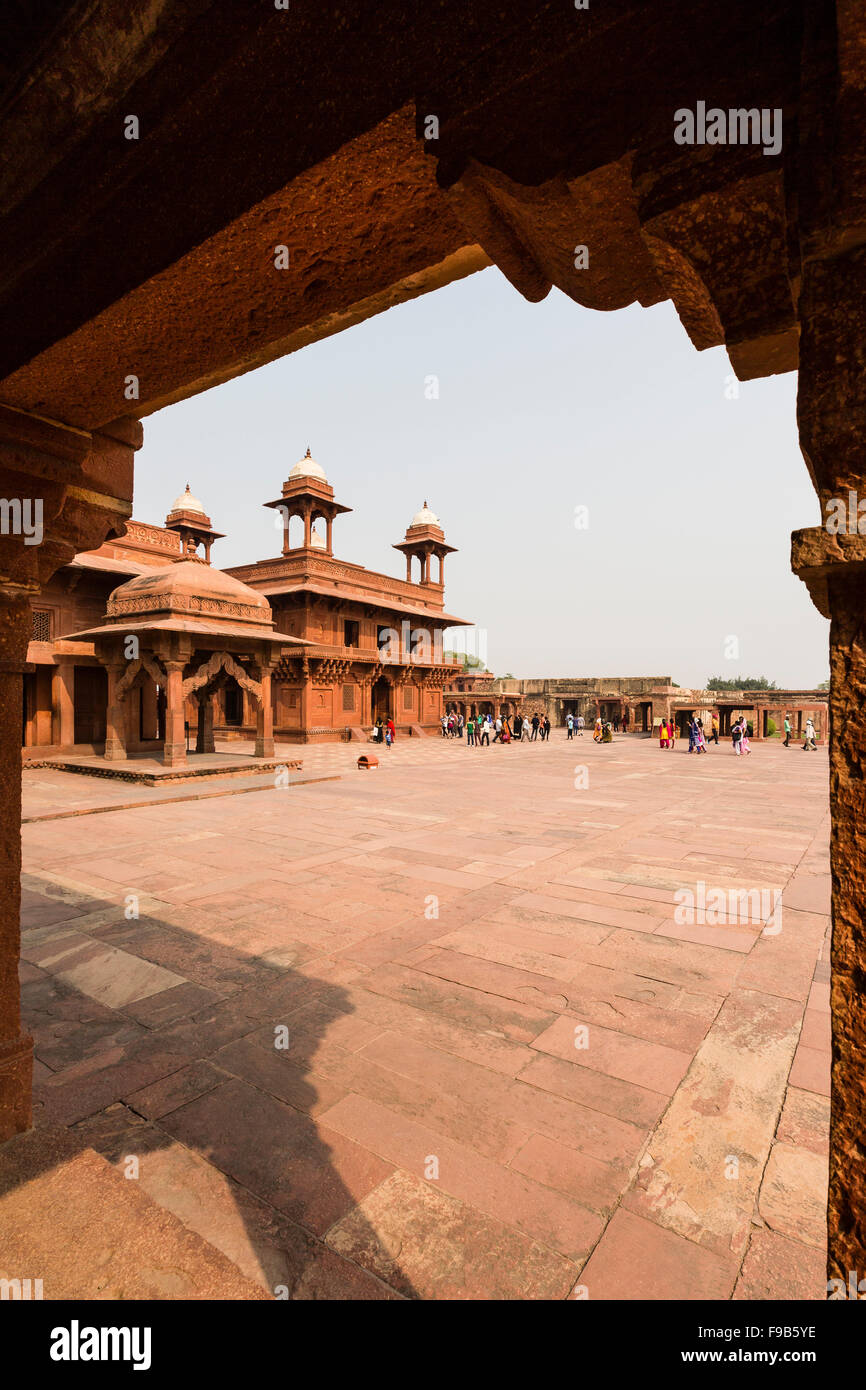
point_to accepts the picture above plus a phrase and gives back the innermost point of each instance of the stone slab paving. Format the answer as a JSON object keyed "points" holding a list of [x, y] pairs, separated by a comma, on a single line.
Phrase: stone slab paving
{"points": [[439, 1030]]}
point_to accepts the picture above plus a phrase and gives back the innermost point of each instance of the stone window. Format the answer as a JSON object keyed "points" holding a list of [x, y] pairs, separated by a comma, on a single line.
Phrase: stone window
{"points": [[408, 697], [41, 625], [350, 634], [348, 697]]}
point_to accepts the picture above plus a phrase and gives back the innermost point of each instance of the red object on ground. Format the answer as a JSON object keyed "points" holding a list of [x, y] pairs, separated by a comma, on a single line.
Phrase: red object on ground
{"points": [[367, 760]]}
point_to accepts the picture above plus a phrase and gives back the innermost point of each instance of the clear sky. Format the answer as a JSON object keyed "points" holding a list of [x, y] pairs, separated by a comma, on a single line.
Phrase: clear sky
{"points": [[691, 484]]}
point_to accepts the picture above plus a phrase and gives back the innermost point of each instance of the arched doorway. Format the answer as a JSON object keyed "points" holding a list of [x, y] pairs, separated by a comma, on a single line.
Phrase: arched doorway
{"points": [[381, 699]]}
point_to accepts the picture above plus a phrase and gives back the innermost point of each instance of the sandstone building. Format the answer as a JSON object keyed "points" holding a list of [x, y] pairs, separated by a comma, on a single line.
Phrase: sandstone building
{"points": [[348, 645]]}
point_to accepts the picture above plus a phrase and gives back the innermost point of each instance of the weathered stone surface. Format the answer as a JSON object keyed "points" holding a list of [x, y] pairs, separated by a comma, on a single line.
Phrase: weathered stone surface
{"points": [[428, 1245], [708, 1154], [95, 1234], [778, 1268]]}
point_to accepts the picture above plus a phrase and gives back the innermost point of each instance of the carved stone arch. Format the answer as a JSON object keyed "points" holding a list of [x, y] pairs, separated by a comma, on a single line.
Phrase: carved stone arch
{"points": [[145, 665], [221, 661]]}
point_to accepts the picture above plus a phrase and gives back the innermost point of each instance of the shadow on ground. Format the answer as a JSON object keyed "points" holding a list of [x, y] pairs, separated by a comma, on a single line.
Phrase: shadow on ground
{"points": [[203, 1089]]}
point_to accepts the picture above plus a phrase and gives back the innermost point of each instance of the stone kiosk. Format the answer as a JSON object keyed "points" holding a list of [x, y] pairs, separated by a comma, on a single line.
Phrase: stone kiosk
{"points": [[187, 628]]}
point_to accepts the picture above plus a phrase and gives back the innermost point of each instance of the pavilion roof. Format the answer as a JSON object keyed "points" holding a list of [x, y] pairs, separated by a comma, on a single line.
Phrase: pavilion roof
{"points": [[241, 631]]}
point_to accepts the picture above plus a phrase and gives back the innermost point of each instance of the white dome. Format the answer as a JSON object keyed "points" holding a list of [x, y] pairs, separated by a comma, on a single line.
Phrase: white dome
{"points": [[317, 541], [425, 517], [187, 503], [308, 468]]}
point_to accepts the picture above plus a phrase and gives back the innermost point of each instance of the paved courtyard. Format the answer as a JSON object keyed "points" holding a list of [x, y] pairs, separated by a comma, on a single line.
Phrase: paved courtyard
{"points": [[434, 1030]]}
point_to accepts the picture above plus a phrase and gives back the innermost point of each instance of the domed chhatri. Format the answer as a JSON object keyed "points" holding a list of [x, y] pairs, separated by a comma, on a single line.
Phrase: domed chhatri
{"points": [[308, 494], [187, 503], [191, 591], [426, 518], [191, 522], [308, 468], [423, 542]]}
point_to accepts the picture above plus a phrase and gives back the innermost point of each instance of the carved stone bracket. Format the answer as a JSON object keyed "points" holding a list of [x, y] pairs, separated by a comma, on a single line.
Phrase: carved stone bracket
{"points": [[817, 557]]}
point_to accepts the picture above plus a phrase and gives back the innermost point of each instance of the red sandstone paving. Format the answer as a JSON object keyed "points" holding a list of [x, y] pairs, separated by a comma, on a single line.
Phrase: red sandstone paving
{"points": [[637, 1259], [778, 1268], [448, 1035]]}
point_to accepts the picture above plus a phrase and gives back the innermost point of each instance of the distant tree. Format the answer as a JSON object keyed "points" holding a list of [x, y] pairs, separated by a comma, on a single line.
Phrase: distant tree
{"points": [[825, 685], [466, 660], [741, 683]]}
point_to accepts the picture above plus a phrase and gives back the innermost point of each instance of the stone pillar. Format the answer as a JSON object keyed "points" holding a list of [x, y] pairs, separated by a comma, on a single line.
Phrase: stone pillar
{"points": [[63, 701], [174, 748], [265, 717], [831, 413], [329, 538], [115, 714], [305, 696], [16, 1048], [204, 739], [308, 526]]}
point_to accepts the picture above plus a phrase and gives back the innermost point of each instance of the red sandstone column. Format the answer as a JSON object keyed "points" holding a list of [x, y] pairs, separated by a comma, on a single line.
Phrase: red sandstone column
{"points": [[16, 1048], [204, 739], [63, 700], [115, 738], [308, 527], [265, 718], [174, 748], [306, 688], [831, 410]]}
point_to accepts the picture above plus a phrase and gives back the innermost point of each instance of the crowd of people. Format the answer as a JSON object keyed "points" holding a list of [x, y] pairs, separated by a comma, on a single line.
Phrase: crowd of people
{"points": [[486, 728]]}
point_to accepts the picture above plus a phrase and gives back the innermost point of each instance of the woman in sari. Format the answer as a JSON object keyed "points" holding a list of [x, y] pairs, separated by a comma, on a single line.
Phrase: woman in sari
{"points": [[663, 734]]}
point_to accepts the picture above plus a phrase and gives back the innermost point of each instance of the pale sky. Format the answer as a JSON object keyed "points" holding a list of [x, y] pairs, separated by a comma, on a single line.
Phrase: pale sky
{"points": [[690, 496]]}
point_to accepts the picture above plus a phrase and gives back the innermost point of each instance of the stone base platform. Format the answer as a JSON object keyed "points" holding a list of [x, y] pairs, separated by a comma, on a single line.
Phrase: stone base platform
{"points": [[151, 772]]}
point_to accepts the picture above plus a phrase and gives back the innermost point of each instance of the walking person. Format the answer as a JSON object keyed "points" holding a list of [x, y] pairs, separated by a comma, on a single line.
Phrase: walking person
{"points": [[498, 727], [485, 731], [391, 729], [811, 744], [663, 734], [787, 732], [746, 746], [569, 724], [546, 728], [736, 736], [714, 731], [526, 731], [535, 723], [581, 725], [470, 731], [625, 720]]}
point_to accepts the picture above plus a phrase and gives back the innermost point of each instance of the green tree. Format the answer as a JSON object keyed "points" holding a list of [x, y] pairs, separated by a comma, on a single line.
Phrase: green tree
{"points": [[466, 660], [741, 683]]}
